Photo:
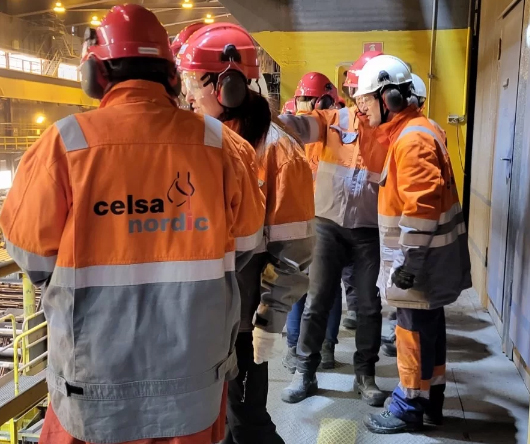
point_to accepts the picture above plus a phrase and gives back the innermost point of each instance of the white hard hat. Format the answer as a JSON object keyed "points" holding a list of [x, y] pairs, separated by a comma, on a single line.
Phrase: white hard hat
{"points": [[418, 85], [260, 86], [381, 71]]}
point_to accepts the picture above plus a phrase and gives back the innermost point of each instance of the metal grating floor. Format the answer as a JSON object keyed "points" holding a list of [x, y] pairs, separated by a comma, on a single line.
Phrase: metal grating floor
{"points": [[486, 399], [7, 392]]}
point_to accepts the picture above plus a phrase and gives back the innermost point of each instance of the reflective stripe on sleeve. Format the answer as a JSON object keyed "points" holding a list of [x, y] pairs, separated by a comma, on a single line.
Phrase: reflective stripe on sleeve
{"points": [[249, 243], [424, 240], [422, 129], [291, 231], [31, 261], [417, 223], [71, 134], [344, 119]]}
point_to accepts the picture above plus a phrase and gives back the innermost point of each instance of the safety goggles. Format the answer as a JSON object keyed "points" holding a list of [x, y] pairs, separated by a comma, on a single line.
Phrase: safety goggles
{"points": [[195, 84], [365, 101]]}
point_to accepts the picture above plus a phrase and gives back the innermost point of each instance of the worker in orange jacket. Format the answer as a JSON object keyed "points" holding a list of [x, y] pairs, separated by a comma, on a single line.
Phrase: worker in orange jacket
{"points": [[217, 65], [315, 91], [176, 45], [132, 216], [347, 182], [424, 252]]}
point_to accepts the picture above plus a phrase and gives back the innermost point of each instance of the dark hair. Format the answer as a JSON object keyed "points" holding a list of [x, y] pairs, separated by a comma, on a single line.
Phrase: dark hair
{"points": [[141, 68], [252, 120]]}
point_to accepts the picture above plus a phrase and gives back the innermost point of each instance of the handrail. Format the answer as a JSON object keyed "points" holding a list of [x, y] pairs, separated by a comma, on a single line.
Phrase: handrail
{"points": [[16, 344], [16, 142], [30, 317]]}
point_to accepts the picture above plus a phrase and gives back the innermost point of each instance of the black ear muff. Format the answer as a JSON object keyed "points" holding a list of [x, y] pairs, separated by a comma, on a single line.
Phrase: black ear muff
{"points": [[325, 102], [393, 100], [232, 88], [94, 78]]}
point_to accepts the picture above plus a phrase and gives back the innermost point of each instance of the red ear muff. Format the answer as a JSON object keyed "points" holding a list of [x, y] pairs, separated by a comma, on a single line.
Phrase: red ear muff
{"points": [[94, 79], [232, 88]]}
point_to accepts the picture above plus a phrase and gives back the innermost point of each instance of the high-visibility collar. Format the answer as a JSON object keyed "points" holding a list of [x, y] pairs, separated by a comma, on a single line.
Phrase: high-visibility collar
{"points": [[393, 129], [132, 91]]}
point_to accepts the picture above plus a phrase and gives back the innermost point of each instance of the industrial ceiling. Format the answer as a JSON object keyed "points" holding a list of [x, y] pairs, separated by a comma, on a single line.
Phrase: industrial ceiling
{"points": [[79, 13]]}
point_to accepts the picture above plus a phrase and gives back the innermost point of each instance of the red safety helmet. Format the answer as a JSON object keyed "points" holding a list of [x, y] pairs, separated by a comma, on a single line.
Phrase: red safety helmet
{"points": [[228, 51], [218, 48], [352, 77], [315, 84], [289, 107], [127, 31], [183, 36]]}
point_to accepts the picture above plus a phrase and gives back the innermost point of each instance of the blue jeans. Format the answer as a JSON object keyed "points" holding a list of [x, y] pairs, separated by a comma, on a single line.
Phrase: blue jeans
{"points": [[294, 319]]}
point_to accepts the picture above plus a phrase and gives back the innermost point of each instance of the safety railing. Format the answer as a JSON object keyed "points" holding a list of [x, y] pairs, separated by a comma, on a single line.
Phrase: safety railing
{"points": [[52, 67], [24, 345], [9, 143]]}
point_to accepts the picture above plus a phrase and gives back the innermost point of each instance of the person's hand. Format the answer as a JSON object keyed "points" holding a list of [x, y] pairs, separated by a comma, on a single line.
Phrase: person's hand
{"points": [[267, 345], [402, 279]]}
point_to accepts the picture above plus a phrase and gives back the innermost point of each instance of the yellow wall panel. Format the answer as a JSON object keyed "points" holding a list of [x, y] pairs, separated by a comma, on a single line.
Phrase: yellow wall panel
{"points": [[300, 52], [44, 92]]}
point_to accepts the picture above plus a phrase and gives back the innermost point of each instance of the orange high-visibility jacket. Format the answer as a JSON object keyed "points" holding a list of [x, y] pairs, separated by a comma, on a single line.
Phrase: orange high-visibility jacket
{"points": [[273, 281], [420, 219], [132, 215], [349, 168]]}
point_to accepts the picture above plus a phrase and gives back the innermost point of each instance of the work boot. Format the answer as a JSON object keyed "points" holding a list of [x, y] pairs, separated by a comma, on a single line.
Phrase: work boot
{"points": [[434, 410], [433, 418], [328, 355], [289, 360], [385, 423], [302, 386], [350, 321], [389, 349], [369, 390]]}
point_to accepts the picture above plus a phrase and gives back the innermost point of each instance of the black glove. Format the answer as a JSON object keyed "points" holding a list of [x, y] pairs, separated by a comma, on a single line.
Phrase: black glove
{"points": [[402, 279]]}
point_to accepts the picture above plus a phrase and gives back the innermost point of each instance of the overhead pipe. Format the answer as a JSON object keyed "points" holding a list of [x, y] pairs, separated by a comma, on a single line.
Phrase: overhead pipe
{"points": [[433, 47]]}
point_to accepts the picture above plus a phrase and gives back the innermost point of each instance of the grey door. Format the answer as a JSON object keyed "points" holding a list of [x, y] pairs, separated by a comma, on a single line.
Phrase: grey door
{"points": [[510, 50]]}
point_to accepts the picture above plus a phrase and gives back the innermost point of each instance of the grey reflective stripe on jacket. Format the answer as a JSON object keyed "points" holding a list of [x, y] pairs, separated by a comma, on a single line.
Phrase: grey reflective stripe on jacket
{"points": [[38, 268], [346, 195], [108, 380], [436, 252]]}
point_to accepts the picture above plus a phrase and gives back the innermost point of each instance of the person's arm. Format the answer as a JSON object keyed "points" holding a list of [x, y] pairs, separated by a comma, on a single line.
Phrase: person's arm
{"points": [[37, 206], [290, 236], [420, 188], [310, 128], [245, 202]]}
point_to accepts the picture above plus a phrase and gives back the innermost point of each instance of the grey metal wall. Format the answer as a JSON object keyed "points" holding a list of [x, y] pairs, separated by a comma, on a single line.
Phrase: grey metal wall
{"points": [[346, 15]]}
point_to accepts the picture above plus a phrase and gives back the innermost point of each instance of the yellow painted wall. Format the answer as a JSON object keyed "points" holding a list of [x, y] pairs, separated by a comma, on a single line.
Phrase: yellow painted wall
{"points": [[300, 52], [43, 92]]}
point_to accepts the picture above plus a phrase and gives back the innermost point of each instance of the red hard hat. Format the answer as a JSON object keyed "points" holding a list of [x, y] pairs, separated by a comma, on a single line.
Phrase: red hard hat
{"points": [[289, 107], [127, 31], [184, 35], [315, 84], [352, 78], [216, 48]]}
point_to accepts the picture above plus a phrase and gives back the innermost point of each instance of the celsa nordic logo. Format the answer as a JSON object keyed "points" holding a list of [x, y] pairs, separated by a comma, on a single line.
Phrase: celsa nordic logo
{"points": [[179, 195]]}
